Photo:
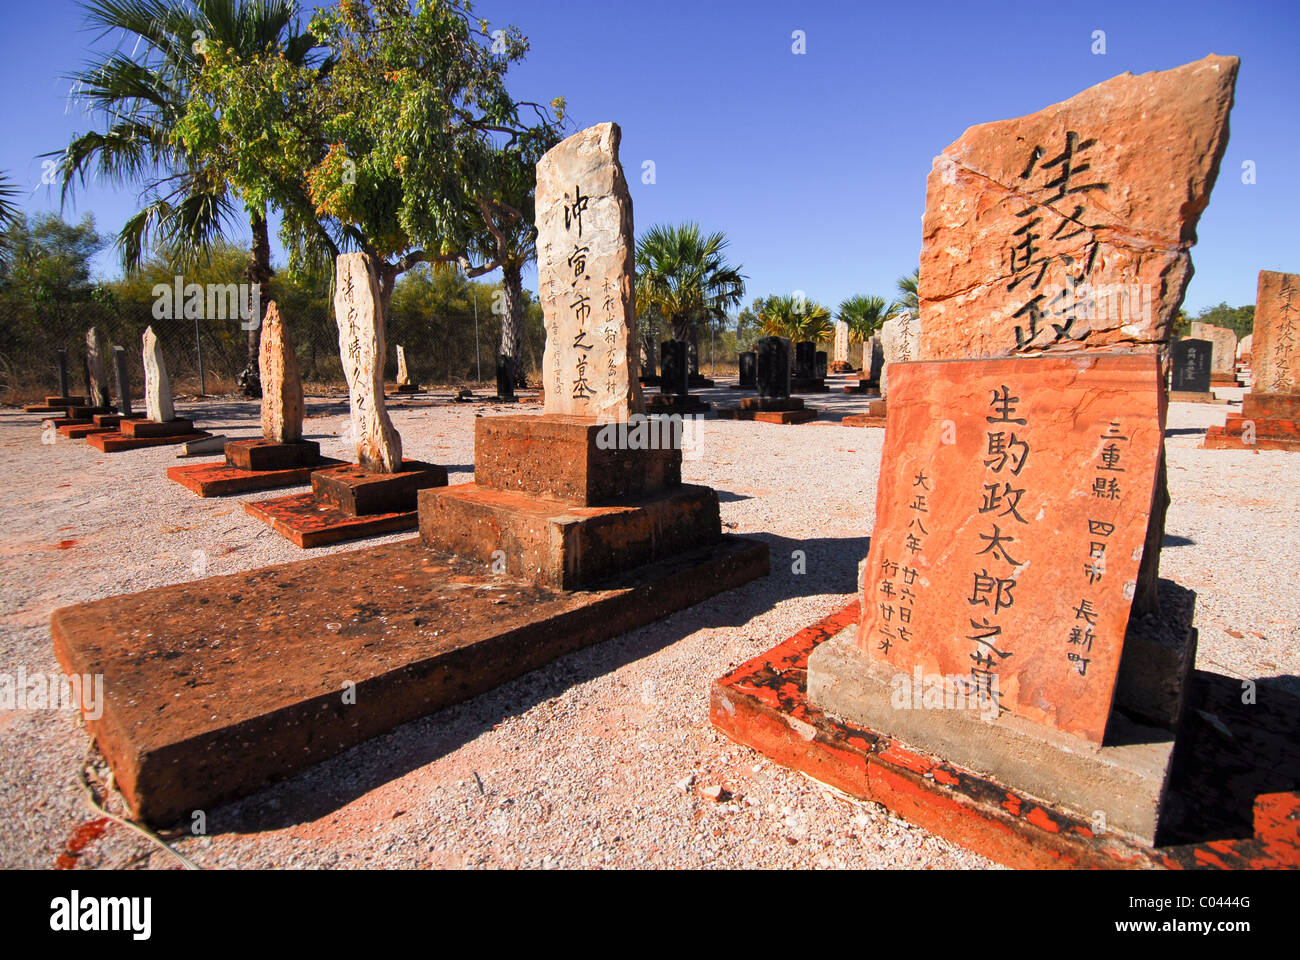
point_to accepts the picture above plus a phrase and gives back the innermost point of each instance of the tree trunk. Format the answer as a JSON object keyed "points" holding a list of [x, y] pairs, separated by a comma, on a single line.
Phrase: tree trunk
{"points": [[260, 273], [512, 320]]}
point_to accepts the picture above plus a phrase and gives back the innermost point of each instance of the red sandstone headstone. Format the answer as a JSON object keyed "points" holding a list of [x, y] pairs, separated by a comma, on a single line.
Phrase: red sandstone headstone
{"points": [[1275, 349], [1010, 527], [1069, 229]]}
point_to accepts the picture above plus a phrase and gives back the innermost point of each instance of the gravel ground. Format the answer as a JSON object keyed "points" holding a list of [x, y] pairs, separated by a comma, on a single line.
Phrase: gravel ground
{"points": [[603, 758]]}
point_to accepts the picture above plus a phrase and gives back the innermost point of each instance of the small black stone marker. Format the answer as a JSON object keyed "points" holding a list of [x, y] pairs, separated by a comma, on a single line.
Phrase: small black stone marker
{"points": [[1190, 360], [505, 379], [805, 358], [63, 373], [123, 381], [773, 367], [748, 369], [877, 360], [674, 376]]}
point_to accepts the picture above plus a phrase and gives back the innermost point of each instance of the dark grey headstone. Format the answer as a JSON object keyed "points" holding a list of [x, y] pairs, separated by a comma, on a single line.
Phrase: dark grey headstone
{"points": [[749, 369], [674, 370], [877, 359], [63, 373], [805, 359], [1190, 361], [505, 377], [819, 365], [651, 361], [773, 367], [122, 374]]}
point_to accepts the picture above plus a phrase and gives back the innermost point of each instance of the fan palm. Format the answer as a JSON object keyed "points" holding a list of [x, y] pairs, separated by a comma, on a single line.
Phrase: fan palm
{"points": [[8, 212], [908, 300], [864, 315], [186, 201], [683, 278], [795, 318]]}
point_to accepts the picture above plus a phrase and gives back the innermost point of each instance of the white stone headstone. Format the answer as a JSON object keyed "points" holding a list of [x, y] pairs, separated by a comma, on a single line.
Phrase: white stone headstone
{"points": [[361, 348], [403, 375], [841, 342], [157, 386], [900, 338], [97, 351], [586, 269]]}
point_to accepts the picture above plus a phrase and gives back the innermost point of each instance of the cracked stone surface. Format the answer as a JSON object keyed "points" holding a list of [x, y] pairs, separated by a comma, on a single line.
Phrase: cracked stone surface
{"points": [[1070, 228]]}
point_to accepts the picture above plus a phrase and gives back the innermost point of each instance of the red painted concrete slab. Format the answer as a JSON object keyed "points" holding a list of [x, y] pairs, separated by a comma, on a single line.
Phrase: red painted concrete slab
{"points": [[221, 479], [116, 442], [309, 522], [1234, 799]]}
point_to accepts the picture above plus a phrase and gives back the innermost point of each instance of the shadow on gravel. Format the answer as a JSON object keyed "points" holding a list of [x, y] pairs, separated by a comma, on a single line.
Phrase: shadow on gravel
{"points": [[1173, 540], [831, 567]]}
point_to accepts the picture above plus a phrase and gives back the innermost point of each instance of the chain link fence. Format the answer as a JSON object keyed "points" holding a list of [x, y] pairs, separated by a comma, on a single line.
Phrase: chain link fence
{"points": [[444, 347]]}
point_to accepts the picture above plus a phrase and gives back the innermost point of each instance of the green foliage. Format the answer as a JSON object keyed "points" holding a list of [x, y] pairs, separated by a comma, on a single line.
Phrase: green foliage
{"points": [[684, 280], [907, 296], [48, 259], [864, 314], [1240, 320], [403, 143], [796, 318], [8, 212], [140, 100]]}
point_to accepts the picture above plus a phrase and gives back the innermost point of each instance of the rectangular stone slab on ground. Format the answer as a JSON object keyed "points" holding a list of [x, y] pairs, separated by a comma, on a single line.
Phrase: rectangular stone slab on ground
{"points": [[1229, 807], [222, 479], [119, 441], [215, 689], [1011, 516], [348, 502]]}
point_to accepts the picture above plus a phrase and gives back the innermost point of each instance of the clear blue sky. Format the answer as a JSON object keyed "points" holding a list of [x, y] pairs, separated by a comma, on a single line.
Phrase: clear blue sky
{"points": [[813, 165]]}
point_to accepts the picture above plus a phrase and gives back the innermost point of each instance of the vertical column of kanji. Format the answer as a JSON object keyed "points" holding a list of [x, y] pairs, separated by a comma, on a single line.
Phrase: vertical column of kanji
{"points": [[360, 321], [586, 262]]}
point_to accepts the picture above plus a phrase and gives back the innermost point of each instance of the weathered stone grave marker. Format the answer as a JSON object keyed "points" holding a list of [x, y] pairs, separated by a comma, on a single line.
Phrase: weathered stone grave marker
{"points": [[280, 457], [159, 427], [1007, 622], [377, 494], [1270, 412]]}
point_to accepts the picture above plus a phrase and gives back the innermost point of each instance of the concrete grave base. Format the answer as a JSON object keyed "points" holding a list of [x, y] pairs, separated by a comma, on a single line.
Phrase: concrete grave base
{"points": [[214, 689], [1232, 801], [1268, 421], [117, 441], [1193, 396], [349, 502], [1126, 781], [657, 403], [254, 465], [770, 410], [565, 545]]}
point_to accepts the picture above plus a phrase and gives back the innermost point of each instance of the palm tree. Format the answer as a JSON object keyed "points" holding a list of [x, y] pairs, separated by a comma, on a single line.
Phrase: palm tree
{"points": [[795, 318], [186, 202], [864, 314], [683, 279], [908, 301], [8, 212]]}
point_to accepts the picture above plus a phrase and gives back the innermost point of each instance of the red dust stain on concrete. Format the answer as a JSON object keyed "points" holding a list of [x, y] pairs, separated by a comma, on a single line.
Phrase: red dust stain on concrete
{"points": [[65, 544], [82, 837]]}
